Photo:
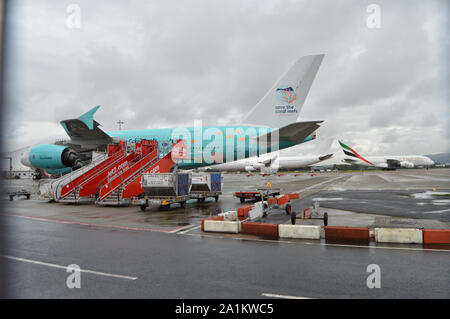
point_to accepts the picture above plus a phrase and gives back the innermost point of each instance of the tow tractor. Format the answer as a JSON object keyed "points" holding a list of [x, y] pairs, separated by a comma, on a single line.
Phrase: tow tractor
{"points": [[258, 195]]}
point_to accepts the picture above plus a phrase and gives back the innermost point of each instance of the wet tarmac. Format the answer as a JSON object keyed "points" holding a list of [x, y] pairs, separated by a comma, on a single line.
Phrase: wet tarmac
{"points": [[169, 256]]}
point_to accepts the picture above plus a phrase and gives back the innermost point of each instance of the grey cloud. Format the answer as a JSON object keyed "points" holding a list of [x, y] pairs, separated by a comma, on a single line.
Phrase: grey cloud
{"points": [[167, 63]]}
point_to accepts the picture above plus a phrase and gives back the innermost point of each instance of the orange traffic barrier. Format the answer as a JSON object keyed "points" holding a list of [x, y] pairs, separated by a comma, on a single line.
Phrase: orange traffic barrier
{"points": [[272, 200], [436, 236], [260, 229], [243, 211], [211, 218], [283, 199], [339, 233], [293, 196]]}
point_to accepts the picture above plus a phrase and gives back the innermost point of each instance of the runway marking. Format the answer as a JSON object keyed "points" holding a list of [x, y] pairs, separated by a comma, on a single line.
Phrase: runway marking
{"points": [[316, 244], [61, 221], [378, 247], [65, 268], [190, 229], [318, 184], [283, 296]]}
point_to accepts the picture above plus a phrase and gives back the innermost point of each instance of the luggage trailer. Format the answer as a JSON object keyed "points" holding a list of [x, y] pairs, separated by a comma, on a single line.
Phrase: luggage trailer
{"points": [[164, 189], [206, 185]]}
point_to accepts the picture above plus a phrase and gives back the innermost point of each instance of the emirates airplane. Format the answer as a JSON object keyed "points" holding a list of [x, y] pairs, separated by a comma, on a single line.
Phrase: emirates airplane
{"points": [[385, 162]]}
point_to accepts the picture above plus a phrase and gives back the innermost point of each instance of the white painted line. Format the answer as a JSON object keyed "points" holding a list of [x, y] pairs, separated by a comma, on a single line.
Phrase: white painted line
{"points": [[318, 184], [179, 229], [192, 228], [318, 244], [283, 296], [377, 247], [65, 268]]}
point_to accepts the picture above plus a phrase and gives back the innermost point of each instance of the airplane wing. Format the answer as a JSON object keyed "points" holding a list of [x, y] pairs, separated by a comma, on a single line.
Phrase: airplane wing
{"points": [[267, 160], [84, 131], [325, 157], [295, 132], [351, 161]]}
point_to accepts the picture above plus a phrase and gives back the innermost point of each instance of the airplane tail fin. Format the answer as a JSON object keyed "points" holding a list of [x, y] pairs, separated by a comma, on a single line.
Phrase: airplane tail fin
{"points": [[282, 104], [351, 152], [324, 146]]}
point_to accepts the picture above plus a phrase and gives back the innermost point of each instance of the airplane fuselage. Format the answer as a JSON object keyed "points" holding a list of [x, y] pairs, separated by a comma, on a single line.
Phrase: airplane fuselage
{"points": [[406, 161], [209, 145]]}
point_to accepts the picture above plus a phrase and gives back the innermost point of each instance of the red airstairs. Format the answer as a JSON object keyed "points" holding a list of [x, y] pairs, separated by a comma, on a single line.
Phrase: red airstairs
{"points": [[118, 166], [68, 189], [114, 177], [121, 188]]}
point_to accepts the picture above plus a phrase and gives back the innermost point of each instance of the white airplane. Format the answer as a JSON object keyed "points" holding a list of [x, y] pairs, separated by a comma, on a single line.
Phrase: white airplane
{"points": [[385, 162], [269, 164]]}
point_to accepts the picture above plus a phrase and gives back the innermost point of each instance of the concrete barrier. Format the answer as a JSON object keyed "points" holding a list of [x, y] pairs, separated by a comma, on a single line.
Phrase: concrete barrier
{"points": [[299, 231], [436, 236], [218, 226], [260, 229], [399, 235], [229, 216], [339, 233], [217, 217]]}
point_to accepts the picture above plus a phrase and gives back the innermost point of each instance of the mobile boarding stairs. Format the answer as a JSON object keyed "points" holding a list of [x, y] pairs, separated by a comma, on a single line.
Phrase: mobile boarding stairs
{"points": [[112, 178]]}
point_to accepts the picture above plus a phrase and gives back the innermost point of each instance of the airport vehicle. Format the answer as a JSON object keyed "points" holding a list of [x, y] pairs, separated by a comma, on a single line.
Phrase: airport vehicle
{"points": [[263, 193], [206, 185], [22, 192], [384, 162], [270, 125], [165, 189], [308, 214]]}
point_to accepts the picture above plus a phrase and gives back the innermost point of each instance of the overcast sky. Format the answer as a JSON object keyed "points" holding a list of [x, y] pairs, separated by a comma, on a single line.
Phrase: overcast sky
{"points": [[167, 63]]}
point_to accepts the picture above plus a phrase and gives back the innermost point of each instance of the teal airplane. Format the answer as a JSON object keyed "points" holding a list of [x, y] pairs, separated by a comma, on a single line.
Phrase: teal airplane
{"points": [[270, 125]]}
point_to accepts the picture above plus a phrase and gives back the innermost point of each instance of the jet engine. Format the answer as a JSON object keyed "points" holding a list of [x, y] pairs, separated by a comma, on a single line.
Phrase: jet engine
{"points": [[50, 156], [406, 164]]}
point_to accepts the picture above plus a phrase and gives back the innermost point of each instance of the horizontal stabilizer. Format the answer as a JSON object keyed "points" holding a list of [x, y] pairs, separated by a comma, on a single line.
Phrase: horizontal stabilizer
{"points": [[88, 117], [84, 130], [294, 132]]}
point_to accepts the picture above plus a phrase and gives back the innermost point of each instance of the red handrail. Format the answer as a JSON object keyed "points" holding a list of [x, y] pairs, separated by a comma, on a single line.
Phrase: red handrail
{"points": [[130, 172]]}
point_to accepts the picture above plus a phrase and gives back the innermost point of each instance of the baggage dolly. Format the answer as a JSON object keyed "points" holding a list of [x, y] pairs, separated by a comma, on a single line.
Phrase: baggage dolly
{"points": [[307, 214]]}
